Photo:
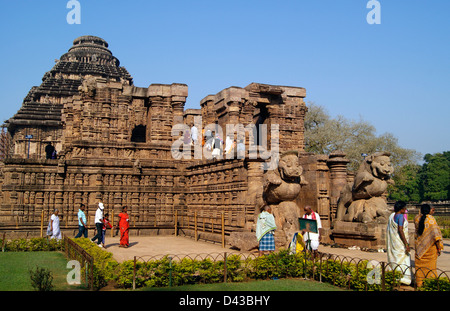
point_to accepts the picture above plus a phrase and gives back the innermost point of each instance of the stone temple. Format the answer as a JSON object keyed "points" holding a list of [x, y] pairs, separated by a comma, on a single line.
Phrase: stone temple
{"points": [[113, 144]]}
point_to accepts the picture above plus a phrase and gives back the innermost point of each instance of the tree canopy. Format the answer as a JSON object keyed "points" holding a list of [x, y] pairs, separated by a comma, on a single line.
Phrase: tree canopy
{"points": [[324, 135], [413, 182]]}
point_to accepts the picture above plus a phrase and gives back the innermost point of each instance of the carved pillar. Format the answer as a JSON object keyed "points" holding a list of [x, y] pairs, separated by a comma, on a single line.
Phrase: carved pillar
{"points": [[338, 178], [178, 109], [253, 199], [323, 193], [233, 112]]}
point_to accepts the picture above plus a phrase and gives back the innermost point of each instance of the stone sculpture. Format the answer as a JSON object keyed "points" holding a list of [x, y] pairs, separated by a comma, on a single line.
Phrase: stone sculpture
{"points": [[88, 86], [363, 200], [281, 187]]}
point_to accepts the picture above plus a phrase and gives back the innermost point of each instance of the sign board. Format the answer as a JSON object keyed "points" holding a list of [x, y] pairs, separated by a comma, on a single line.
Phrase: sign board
{"points": [[309, 225]]}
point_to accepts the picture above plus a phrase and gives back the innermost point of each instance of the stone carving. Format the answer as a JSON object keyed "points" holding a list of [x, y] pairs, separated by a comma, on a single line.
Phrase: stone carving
{"points": [[61, 164], [281, 187], [363, 200], [88, 86], [137, 167], [100, 159]]}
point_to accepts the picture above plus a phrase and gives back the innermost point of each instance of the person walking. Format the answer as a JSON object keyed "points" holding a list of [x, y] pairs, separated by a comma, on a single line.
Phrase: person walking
{"points": [[54, 229], [98, 224], [397, 242], [265, 228], [124, 226], [82, 226], [428, 244], [194, 134], [217, 147], [106, 225]]}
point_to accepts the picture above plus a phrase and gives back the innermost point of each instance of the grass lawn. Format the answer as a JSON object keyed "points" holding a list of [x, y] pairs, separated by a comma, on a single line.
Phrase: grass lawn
{"points": [[15, 266], [268, 285]]}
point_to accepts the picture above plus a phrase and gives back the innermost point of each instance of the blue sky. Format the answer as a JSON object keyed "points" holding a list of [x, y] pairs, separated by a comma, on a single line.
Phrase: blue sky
{"points": [[395, 75]]}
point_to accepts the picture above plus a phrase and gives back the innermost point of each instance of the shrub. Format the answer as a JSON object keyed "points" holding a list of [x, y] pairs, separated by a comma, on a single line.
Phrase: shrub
{"points": [[104, 263], [164, 271], [41, 279], [445, 233], [33, 245], [435, 284]]}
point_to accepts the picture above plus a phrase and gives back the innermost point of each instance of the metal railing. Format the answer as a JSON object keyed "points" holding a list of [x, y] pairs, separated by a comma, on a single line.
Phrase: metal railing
{"points": [[76, 252], [341, 271]]}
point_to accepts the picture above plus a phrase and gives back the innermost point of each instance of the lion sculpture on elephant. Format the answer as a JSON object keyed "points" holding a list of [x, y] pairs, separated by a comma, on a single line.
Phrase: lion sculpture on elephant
{"points": [[363, 201]]}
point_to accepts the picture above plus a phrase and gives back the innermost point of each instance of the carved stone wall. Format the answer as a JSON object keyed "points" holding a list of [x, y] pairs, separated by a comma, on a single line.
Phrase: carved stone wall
{"points": [[114, 145]]}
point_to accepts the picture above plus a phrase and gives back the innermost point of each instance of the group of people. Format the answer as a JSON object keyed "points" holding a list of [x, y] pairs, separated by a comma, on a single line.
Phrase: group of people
{"points": [[101, 221], [213, 143], [302, 240], [428, 240], [428, 243]]}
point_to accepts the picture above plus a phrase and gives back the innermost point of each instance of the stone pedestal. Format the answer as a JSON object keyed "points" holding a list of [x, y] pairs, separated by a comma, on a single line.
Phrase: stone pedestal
{"points": [[244, 241], [367, 235]]}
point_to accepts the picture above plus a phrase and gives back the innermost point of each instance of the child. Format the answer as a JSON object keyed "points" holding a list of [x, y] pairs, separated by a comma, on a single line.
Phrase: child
{"points": [[297, 244], [106, 224]]}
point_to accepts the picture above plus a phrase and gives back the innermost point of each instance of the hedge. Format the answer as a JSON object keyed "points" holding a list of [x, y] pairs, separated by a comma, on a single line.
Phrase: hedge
{"points": [[33, 245], [156, 273], [105, 266], [164, 272]]}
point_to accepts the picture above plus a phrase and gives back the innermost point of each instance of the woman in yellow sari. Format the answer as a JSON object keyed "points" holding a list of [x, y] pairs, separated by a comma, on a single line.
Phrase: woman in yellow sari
{"points": [[428, 244]]}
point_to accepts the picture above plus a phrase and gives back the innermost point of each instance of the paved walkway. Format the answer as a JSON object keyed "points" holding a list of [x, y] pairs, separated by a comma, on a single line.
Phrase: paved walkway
{"points": [[159, 246]]}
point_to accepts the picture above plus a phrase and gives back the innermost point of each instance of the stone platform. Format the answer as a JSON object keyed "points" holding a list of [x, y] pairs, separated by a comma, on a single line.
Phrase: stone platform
{"points": [[364, 235]]}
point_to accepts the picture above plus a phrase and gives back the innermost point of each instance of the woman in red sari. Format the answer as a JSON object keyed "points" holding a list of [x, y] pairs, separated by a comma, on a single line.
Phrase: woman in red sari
{"points": [[124, 226]]}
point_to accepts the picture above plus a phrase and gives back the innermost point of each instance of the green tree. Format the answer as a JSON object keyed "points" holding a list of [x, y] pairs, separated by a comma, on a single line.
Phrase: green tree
{"points": [[436, 176], [407, 180], [324, 135]]}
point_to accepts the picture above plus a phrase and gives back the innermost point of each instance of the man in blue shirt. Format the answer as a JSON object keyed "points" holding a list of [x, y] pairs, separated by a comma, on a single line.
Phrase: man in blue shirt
{"points": [[82, 227]]}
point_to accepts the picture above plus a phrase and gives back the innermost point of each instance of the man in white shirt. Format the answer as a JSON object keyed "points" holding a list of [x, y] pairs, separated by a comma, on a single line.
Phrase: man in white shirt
{"points": [[313, 238], [194, 134], [99, 224]]}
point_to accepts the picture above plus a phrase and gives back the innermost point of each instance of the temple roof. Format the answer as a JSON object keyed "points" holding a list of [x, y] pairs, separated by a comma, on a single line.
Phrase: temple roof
{"points": [[87, 49], [89, 55]]}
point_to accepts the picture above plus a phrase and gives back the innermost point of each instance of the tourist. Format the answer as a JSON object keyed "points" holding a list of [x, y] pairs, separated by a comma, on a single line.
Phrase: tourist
{"points": [[217, 147], [240, 148], [229, 145], [312, 240], [54, 229], [397, 242], [187, 137], [428, 244], [106, 225], [194, 134], [82, 227], [297, 244], [265, 229], [98, 224], [124, 226]]}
